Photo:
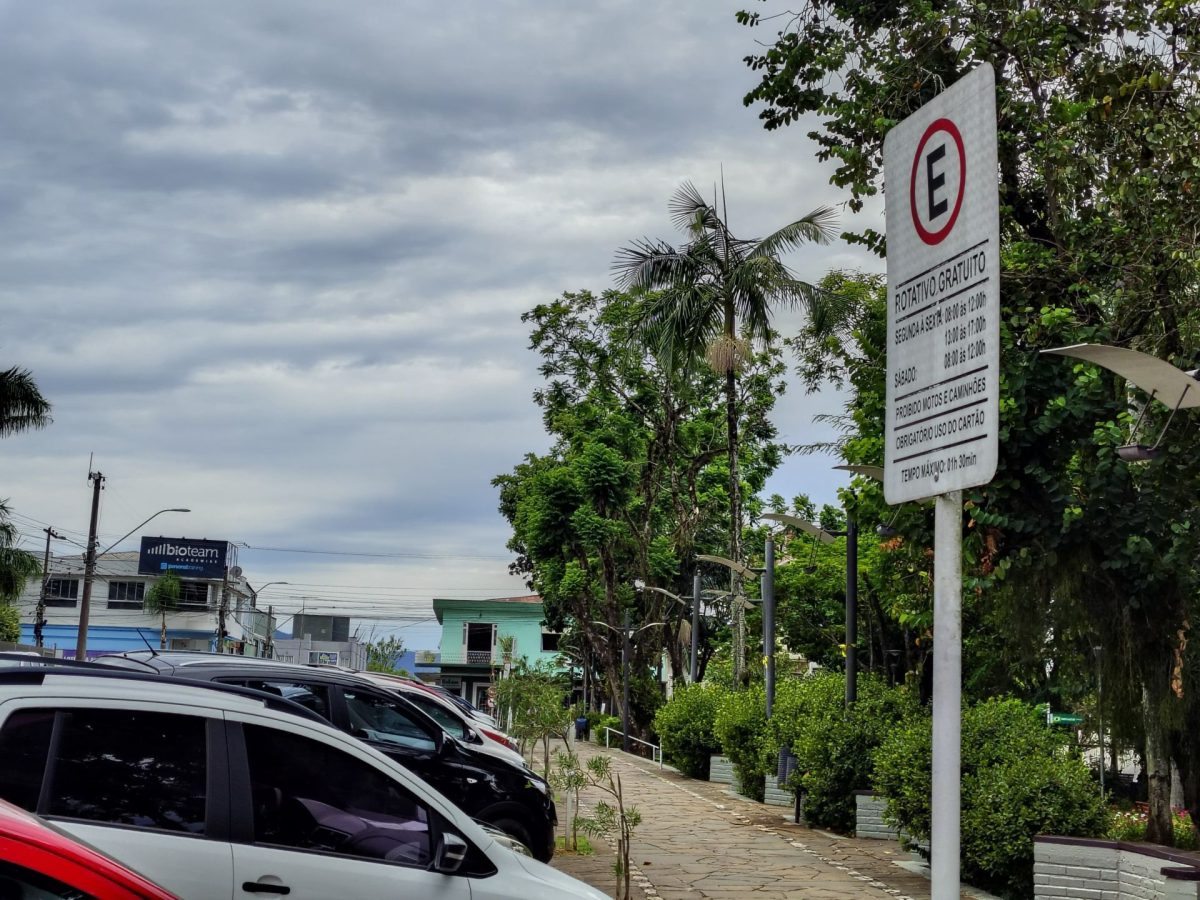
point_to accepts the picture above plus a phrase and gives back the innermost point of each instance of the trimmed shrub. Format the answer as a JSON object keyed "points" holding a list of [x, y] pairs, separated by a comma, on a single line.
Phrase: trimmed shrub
{"points": [[685, 728], [603, 721], [10, 624], [834, 746], [1019, 779], [740, 727]]}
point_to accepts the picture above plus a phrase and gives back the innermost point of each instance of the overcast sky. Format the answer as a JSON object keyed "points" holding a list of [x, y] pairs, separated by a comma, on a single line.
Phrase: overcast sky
{"points": [[268, 261]]}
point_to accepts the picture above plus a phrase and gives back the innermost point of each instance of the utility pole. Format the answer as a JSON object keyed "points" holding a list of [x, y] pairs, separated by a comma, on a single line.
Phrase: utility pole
{"points": [[851, 608], [768, 612], [695, 626], [40, 619], [270, 654], [625, 684], [89, 567], [221, 612]]}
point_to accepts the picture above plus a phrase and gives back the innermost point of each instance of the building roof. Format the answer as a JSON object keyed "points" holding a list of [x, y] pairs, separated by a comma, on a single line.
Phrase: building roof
{"points": [[442, 603]]}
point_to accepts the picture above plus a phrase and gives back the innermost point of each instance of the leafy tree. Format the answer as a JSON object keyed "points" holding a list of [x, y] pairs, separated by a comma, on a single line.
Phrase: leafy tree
{"points": [[10, 624], [17, 566], [1098, 109], [162, 598], [535, 698], [633, 486], [384, 654], [715, 294]]}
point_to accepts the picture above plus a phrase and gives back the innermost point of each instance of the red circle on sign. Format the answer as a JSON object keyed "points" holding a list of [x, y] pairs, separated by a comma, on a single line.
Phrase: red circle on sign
{"points": [[936, 237]]}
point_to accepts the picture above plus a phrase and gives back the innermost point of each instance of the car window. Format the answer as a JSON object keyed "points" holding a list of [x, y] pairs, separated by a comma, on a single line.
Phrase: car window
{"points": [[377, 718], [24, 746], [312, 696], [311, 796], [20, 883], [452, 723], [128, 767]]}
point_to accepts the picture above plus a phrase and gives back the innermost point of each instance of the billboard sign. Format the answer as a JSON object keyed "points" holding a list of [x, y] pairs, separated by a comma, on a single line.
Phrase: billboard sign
{"points": [[185, 557], [943, 267]]}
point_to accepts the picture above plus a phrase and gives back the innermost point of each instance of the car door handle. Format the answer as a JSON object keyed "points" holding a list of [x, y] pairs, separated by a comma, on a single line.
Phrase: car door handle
{"points": [[259, 887]]}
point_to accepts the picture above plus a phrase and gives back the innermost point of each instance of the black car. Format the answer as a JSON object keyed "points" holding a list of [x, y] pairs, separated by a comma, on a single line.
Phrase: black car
{"points": [[502, 794]]}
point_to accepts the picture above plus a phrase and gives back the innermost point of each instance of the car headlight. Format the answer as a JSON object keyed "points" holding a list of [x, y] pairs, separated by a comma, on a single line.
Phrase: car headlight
{"points": [[539, 784]]}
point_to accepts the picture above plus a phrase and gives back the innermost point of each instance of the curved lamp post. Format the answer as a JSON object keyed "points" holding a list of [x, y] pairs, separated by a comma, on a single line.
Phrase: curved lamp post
{"points": [[740, 603], [270, 648], [1161, 380], [89, 573], [626, 633]]}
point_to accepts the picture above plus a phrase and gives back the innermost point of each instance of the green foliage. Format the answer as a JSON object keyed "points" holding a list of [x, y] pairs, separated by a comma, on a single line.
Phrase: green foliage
{"points": [[535, 696], [1020, 779], [163, 596], [684, 725], [17, 566], [384, 653], [600, 722], [834, 746], [10, 624], [22, 405], [609, 819], [740, 727]]}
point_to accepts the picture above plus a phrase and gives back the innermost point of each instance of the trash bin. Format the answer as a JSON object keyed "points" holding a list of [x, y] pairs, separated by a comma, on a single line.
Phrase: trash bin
{"points": [[581, 728]]}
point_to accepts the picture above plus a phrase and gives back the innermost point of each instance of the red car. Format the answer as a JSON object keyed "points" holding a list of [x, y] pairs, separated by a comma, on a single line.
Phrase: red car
{"points": [[37, 860]]}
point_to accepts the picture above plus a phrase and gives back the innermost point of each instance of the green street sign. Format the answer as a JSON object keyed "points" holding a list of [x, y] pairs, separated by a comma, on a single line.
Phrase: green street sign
{"points": [[1065, 718]]}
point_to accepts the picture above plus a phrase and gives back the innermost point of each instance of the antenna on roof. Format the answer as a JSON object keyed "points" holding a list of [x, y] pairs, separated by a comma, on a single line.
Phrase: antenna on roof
{"points": [[153, 652]]}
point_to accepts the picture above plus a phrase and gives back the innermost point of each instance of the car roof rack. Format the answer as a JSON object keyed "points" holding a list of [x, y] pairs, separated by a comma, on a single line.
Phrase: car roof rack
{"points": [[34, 671]]}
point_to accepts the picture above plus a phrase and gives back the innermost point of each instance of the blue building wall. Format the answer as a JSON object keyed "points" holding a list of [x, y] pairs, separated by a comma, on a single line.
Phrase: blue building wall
{"points": [[104, 639]]}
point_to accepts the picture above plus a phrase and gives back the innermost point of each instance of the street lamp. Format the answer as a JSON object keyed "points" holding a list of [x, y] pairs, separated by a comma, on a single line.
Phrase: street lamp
{"points": [[740, 604], [1161, 380], [270, 613], [695, 606], [89, 573], [626, 633]]}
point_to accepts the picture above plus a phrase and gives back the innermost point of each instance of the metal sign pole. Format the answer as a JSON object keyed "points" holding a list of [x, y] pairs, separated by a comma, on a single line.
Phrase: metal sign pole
{"points": [[947, 695]]}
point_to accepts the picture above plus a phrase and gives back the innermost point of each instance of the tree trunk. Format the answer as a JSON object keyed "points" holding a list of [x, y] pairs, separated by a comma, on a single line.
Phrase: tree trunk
{"points": [[162, 634], [735, 482], [1158, 769]]}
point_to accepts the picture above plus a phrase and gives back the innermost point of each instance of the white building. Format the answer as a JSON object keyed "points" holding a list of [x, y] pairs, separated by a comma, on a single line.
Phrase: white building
{"points": [[118, 620]]}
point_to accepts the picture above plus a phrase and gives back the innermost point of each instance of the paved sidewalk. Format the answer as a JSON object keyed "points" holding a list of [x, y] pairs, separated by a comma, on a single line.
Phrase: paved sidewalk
{"points": [[699, 840]]}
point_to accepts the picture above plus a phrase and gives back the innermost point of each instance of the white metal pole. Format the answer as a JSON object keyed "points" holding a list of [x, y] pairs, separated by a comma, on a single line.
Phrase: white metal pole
{"points": [[947, 695]]}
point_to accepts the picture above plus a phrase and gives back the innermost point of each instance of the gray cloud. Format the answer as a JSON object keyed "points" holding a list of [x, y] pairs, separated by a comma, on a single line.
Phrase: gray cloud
{"points": [[268, 260]]}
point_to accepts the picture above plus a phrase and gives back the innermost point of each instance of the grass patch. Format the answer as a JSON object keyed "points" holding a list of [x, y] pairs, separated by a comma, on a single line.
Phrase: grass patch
{"points": [[584, 847]]}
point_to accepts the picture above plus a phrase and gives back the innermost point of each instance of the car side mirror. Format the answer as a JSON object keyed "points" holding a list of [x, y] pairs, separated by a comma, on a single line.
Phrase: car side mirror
{"points": [[451, 851]]}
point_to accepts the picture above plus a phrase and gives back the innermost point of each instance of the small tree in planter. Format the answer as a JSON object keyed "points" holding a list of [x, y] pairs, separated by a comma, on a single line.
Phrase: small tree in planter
{"points": [[618, 820], [535, 700], [162, 598], [570, 779]]}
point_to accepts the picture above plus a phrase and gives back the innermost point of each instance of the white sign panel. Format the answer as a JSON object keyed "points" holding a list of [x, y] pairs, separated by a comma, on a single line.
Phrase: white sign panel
{"points": [[943, 268]]}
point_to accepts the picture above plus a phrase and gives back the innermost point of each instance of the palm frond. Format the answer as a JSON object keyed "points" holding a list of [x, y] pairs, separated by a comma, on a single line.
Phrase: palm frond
{"points": [[648, 265], [818, 227], [690, 212], [22, 405]]}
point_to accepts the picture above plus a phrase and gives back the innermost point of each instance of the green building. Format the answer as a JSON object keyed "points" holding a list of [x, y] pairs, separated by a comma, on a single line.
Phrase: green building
{"points": [[470, 646]]}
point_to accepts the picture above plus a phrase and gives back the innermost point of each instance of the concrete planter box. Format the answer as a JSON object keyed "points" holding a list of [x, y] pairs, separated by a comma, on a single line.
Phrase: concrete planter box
{"points": [[720, 770], [776, 795], [868, 817], [1112, 870]]}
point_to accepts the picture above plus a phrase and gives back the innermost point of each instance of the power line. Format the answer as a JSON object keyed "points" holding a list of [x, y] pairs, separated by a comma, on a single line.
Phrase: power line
{"points": [[246, 546]]}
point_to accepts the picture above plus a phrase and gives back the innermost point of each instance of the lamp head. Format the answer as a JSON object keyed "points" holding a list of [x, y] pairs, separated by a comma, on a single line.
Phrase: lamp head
{"points": [[885, 531], [1138, 453]]}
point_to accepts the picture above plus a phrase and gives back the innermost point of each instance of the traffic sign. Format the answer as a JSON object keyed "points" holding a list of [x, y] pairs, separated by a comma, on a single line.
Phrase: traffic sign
{"points": [[1064, 718], [943, 265]]}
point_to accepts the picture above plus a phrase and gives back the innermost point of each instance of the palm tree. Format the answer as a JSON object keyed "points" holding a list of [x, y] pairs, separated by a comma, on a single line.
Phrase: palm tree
{"points": [[22, 405], [162, 598], [16, 566], [715, 296]]}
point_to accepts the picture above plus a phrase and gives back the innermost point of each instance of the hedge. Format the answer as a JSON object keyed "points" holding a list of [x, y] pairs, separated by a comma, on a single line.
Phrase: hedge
{"points": [[740, 727], [685, 728], [1019, 779]]}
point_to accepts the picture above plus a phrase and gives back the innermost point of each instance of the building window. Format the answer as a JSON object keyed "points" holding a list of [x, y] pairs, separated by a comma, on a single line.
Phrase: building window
{"points": [[193, 595], [550, 641], [126, 594], [479, 642], [62, 591]]}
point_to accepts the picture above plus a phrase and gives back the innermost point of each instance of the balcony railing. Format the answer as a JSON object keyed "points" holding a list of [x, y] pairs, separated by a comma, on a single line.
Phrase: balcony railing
{"points": [[462, 657]]}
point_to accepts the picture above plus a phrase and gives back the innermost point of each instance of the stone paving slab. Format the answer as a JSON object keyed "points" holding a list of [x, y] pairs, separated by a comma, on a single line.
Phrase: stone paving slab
{"points": [[699, 841]]}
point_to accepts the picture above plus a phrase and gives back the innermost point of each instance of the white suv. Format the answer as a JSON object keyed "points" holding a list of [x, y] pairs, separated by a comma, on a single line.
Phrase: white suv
{"points": [[230, 793]]}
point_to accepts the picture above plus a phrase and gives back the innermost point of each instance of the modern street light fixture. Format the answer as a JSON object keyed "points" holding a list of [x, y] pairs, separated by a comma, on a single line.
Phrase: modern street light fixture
{"points": [[627, 632], [1161, 380], [89, 566], [695, 608], [739, 604], [270, 648]]}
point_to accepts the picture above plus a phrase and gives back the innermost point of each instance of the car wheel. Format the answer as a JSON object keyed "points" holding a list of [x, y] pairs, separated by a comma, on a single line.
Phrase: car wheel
{"points": [[517, 831]]}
